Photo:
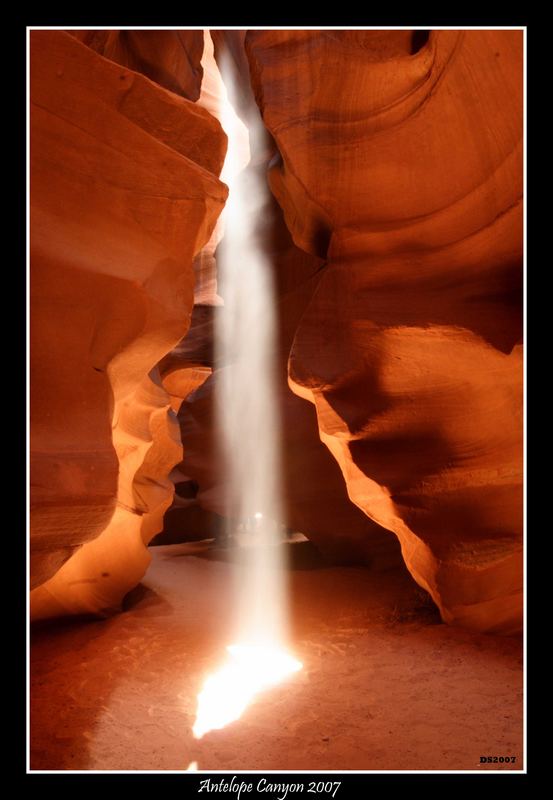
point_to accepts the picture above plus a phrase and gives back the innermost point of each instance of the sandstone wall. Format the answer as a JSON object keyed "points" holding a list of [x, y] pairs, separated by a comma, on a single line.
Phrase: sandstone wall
{"points": [[124, 193], [403, 168]]}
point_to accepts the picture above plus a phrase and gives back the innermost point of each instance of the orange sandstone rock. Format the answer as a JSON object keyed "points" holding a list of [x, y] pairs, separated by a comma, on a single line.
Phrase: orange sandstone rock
{"points": [[402, 166], [123, 195]]}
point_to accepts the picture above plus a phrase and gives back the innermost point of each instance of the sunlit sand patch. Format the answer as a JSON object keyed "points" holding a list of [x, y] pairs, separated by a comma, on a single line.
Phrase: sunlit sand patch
{"points": [[227, 692]]}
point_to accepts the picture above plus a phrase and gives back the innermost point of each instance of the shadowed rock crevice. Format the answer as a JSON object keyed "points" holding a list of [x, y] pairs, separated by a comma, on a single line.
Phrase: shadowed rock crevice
{"points": [[419, 40]]}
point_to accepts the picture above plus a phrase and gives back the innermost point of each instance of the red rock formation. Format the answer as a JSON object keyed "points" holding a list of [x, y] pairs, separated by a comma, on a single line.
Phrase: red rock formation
{"points": [[170, 58], [404, 169], [124, 194]]}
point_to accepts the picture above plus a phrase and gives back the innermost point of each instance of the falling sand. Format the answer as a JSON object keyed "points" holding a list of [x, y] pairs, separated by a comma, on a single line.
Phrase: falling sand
{"points": [[384, 684]]}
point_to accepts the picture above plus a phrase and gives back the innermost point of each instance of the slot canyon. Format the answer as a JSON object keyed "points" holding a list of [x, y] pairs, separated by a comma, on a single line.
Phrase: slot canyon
{"points": [[276, 352]]}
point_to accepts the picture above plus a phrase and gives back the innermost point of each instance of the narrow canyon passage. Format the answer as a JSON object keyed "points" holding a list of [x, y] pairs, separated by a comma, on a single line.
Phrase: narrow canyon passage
{"points": [[300, 311], [385, 684]]}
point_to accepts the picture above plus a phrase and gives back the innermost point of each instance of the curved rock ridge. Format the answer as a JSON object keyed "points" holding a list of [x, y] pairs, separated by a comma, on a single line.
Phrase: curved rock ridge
{"points": [[402, 167], [124, 194]]}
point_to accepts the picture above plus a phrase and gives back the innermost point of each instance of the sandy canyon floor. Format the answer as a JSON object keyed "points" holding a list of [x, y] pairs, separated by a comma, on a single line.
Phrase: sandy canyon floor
{"points": [[385, 685]]}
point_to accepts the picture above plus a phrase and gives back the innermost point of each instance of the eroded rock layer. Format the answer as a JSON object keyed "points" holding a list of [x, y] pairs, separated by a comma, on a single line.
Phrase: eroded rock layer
{"points": [[401, 164], [124, 193]]}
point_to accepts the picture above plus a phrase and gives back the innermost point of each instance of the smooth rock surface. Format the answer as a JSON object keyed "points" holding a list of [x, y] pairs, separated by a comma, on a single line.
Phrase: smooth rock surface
{"points": [[402, 167], [124, 194]]}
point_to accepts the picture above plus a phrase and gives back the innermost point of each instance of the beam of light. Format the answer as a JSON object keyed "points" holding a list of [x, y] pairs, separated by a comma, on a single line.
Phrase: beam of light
{"points": [[248, 422]]}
